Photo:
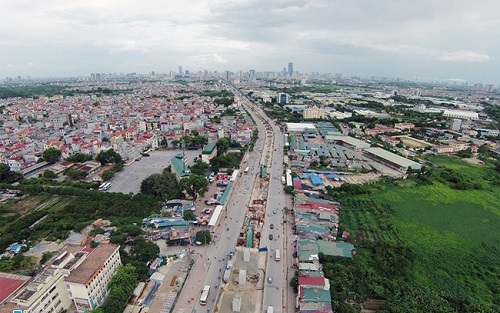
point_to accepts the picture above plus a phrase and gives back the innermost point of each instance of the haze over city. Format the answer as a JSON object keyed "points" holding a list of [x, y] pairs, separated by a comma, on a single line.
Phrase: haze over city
{"points": [[424, 40]]}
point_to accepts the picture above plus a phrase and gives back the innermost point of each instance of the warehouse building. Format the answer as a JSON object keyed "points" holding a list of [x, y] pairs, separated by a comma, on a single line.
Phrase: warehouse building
{"points": [[392, 160]]}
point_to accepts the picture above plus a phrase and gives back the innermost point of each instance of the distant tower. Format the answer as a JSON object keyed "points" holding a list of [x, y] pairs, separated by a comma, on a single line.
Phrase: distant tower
{"points": [[338, 77], [290, 68], [180, 69]]}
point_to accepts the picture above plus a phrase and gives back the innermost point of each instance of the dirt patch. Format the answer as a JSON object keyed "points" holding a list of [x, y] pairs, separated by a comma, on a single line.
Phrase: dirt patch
{"points": [[475, 161], [414, 143], [42, 247]]}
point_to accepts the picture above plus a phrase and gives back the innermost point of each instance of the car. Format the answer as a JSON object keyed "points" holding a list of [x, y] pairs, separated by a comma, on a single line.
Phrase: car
{"points": [[271, 226], [269, 279], [270, 236], [244, 191], [269, 214], [274, 212]]}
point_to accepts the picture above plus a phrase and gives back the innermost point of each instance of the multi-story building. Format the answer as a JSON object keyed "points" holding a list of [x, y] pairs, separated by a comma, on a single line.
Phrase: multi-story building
{"points": [[404, 126], [45, 293], [88, 283], [209, 152], [283, 98], [313, 112]]}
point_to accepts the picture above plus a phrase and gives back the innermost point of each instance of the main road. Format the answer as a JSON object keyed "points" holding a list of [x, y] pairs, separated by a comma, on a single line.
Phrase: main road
{"points": [[276, 286], [213, 257]]}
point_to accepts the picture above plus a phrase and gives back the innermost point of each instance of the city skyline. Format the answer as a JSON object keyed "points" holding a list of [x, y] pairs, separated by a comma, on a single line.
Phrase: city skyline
{"points": [[432, 40]]}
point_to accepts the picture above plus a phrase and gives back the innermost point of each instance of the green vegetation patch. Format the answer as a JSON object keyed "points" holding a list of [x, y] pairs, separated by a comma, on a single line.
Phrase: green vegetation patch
{"points": [[453, 236]]}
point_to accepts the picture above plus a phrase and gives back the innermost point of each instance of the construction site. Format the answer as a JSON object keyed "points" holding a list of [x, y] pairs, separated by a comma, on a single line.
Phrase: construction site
{"points": [[244, 279]]}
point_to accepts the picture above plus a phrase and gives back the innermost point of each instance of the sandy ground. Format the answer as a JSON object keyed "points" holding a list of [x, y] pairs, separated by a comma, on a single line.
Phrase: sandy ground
{"points": [[44, 246]]}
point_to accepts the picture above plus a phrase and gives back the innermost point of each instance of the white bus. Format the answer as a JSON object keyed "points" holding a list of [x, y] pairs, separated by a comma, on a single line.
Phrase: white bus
{"points": [[104, 186], [278, 255], [204, 295]]}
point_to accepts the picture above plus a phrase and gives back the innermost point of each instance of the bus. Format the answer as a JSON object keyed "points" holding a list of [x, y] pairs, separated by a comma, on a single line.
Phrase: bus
{"points": [[104, 186], [278, 255], [204, 295], [270, 309]]}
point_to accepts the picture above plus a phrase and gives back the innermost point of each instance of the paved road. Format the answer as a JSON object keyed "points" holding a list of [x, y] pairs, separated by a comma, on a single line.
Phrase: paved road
{"points": [[212, 257], [269, 151], [275, 292]]}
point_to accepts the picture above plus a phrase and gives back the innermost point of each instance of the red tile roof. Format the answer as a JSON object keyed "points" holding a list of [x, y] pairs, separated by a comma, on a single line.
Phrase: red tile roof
{"points": [[9, 285], [313, 281]]}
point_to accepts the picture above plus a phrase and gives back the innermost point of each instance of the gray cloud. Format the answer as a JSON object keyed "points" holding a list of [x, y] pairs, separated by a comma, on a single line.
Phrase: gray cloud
{"points": [[396, 38]]}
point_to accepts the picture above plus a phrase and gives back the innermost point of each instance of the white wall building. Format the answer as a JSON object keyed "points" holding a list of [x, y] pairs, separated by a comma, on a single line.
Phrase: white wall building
{"points": [[88, 283], [313, 112], [466, 115], [45, 293]]}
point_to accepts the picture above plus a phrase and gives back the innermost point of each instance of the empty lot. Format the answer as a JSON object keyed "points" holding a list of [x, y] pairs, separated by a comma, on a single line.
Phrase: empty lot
{"points": [[129, 180]]}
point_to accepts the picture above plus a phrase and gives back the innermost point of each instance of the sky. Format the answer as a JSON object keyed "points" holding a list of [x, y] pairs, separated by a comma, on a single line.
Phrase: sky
{"points": [[417, 39]]}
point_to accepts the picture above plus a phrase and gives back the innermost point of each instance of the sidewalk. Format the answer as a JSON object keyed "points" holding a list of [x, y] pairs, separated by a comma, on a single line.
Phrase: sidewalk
{"points": [[166, 294], [192, 288]]}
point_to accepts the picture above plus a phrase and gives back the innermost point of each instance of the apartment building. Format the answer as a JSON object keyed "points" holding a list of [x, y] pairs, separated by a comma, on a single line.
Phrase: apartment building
{"points": [[88, 283], [45, 293]]}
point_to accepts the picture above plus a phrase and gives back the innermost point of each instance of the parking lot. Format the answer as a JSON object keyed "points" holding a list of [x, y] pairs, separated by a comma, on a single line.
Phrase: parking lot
{"points": [[129, 180]]}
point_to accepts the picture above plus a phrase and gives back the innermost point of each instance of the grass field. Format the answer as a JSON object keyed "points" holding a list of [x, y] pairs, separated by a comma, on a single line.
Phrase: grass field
{"points": [[452, 234], [455, 233]]}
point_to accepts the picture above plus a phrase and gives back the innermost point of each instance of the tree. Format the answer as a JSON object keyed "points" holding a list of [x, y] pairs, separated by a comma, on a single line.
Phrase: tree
{"points": [[49, 174], [199, 168], [121, 288], [51, 154], [467, 153], [204, 236], [288, 189], [79, 158], [144, 250], [8, 176], [187, 140], [163, 186], [294, 282], [107, 175], [75, 174], [131, 230], [175, 143], [109, 156], [164, 142], [188, 215], [199, 141], [222, 145], [194, 185]]}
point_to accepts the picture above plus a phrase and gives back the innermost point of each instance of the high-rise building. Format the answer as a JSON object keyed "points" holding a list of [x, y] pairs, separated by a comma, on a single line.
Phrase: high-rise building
{"points": [[283, 98], [180, 69], [290, 68]]}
